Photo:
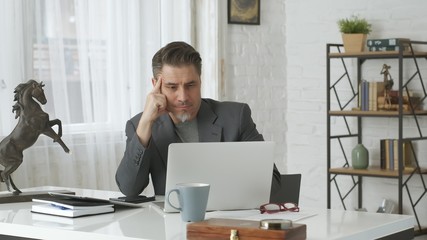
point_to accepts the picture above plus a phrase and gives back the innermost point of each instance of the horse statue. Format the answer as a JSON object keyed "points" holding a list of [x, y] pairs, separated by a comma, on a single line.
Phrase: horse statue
{"points": [[388, 85], [33, 121]]}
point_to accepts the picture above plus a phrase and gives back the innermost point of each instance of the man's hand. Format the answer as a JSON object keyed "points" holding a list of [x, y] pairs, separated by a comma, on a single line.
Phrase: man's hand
{"points": [[155, 105]]}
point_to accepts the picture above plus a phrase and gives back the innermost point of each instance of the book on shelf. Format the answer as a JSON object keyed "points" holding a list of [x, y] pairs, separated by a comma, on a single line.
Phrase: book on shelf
{"points": [[393, 107], [71, 207], [394, 158], [368, 95], [394, 100], [377, 90], [383, 154], [387, 48], [386, 42], [389, 157], [365, 95]]}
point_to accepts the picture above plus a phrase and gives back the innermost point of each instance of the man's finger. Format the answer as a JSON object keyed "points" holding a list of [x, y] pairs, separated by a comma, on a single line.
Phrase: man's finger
{"points": [[157, 87]]}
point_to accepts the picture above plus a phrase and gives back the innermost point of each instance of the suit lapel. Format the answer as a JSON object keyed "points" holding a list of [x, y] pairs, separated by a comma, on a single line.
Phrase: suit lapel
{"points": [[208, 131]]}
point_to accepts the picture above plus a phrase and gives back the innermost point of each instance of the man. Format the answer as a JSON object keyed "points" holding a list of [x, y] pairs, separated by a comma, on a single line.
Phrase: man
{"points": [[175, 112]]}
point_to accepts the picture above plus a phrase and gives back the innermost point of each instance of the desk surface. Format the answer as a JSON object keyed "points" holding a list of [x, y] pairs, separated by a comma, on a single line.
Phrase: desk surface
{"points": [[149, 222]]}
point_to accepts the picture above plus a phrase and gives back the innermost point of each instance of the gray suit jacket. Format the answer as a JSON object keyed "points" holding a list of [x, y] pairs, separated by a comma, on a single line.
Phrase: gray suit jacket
{"points": [[217, 122]]}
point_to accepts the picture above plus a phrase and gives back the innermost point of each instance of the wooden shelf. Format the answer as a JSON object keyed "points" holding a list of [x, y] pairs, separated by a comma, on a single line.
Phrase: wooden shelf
{"points": [[385, 54], [357, 113], [371, 171]]}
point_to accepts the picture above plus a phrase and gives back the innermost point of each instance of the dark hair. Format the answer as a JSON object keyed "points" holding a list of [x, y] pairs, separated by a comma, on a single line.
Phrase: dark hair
{"points": [[176, 54]]}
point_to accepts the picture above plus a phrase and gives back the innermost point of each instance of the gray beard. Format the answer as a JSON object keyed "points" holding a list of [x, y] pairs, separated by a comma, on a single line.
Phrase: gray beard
{"points": [[183, 117]]}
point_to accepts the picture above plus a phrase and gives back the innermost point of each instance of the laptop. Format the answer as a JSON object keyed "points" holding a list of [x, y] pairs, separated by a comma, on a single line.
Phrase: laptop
{"points": [[239, 173]]}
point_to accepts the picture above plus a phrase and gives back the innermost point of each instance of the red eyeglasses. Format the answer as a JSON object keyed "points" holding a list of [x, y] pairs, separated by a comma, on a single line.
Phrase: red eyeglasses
{"points": [[278, 207]]}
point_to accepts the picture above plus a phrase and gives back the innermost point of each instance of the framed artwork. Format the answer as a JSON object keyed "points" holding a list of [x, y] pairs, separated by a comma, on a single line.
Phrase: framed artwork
{"points": [[244, 12]]}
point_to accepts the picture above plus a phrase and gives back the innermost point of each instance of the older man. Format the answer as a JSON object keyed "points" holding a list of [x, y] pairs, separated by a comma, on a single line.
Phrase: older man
{"points": [[175, 112]]}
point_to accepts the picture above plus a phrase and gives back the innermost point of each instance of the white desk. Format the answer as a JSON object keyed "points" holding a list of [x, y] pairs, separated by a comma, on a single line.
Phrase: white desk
{"points": [[150, 223]]}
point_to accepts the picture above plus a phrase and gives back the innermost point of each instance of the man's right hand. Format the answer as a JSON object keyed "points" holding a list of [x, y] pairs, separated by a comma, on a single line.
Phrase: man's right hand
{"points": [[155, 105]]}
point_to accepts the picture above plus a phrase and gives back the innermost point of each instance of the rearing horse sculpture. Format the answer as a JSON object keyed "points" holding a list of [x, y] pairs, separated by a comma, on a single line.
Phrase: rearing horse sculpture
{"points": [[33, 121]]}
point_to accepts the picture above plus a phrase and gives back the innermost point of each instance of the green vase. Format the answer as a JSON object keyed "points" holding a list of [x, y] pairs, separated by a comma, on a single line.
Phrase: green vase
{"points": [[360, 157]]}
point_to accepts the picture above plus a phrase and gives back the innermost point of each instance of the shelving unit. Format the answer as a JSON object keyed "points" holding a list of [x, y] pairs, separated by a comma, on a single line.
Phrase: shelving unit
{"points": [[344, 110]]}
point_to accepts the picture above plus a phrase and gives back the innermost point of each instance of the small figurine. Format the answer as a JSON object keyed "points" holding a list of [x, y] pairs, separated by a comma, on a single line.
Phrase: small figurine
{"points": [[33, 121], [388, 85]]}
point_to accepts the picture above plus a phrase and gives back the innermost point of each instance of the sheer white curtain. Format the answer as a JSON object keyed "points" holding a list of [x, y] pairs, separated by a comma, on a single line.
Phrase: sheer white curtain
{"points": [[94, 58]]}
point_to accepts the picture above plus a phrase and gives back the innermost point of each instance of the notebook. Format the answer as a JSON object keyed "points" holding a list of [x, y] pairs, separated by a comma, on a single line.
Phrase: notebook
{"points": [[114, 201], [239, 173]]}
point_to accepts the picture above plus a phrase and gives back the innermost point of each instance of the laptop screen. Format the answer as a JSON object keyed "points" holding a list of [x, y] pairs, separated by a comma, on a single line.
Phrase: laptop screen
{"points": [[240, 173]]}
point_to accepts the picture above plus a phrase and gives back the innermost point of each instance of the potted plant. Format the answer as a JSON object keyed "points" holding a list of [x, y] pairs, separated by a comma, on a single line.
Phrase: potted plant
{"points": [[354, 33]]}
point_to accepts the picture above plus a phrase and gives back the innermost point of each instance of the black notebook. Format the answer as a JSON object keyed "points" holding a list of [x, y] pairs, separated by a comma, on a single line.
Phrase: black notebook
{"points": [[71, 206]]}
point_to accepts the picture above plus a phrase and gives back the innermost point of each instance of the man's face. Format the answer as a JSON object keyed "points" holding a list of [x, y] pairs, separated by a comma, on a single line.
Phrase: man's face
{"points": [[182, 88]]}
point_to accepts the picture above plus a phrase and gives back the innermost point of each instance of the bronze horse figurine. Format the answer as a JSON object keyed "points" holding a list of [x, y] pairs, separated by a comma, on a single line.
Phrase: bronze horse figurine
{"points": [[33, 121], [388, 85]]}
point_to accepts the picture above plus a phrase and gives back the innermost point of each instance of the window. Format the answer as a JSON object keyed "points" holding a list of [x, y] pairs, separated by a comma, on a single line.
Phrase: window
{"points": [[95, 60]]}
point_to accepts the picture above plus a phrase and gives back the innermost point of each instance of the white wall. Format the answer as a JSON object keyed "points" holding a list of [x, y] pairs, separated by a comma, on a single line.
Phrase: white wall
{"points": [[256, 72], [279, 68]]}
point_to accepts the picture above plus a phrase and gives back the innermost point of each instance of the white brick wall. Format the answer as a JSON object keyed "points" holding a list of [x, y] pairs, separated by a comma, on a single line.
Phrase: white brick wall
{"points": [[279, 68], [256, 72]]}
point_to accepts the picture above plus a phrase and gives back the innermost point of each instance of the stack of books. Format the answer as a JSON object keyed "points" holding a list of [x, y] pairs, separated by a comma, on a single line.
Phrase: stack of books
{"points": [[372, 98], [387, 44], [71, 207], [369, 92], [394, 101], [389, 158]]}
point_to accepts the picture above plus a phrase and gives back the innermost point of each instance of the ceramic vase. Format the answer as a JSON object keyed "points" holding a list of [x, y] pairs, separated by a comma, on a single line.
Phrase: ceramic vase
{"points": [[360, 157]]}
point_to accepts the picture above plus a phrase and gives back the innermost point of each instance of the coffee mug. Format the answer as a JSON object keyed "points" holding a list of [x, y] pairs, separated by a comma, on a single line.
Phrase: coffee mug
{"points": [[193, 200]]}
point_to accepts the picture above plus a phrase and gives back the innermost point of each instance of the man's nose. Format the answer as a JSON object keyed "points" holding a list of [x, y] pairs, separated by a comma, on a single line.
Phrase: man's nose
{"points": [[182, 94]]}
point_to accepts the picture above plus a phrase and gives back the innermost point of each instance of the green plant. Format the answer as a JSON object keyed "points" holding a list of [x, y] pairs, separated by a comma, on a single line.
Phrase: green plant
{"points": [[354, 25]]}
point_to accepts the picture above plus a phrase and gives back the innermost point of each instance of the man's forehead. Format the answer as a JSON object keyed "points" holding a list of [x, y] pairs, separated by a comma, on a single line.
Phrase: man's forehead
{"points": [[179, 75]]}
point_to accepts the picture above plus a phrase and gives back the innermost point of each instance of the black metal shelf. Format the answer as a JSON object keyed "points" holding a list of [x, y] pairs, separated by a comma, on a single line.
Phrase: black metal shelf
{"points": [[403, 176]]}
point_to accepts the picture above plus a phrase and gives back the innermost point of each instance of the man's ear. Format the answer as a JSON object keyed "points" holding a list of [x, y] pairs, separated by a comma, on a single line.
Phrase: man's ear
{"points": [[153, 81]]}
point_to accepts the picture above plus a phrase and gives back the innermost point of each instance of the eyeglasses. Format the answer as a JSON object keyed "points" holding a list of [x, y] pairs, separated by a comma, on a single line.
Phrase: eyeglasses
{"points": [[278, 207]]}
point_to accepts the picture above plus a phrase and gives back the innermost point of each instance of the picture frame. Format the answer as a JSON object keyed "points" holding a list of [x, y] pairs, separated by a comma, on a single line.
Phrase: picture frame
{"points": [[244, 12]]}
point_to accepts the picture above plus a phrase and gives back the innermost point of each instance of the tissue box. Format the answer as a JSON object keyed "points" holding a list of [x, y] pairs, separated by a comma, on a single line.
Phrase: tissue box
{"points": [[217, 228]]}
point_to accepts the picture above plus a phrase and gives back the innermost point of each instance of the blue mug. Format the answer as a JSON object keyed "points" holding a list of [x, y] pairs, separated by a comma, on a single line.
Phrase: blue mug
{"points": [[193, 200]]}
